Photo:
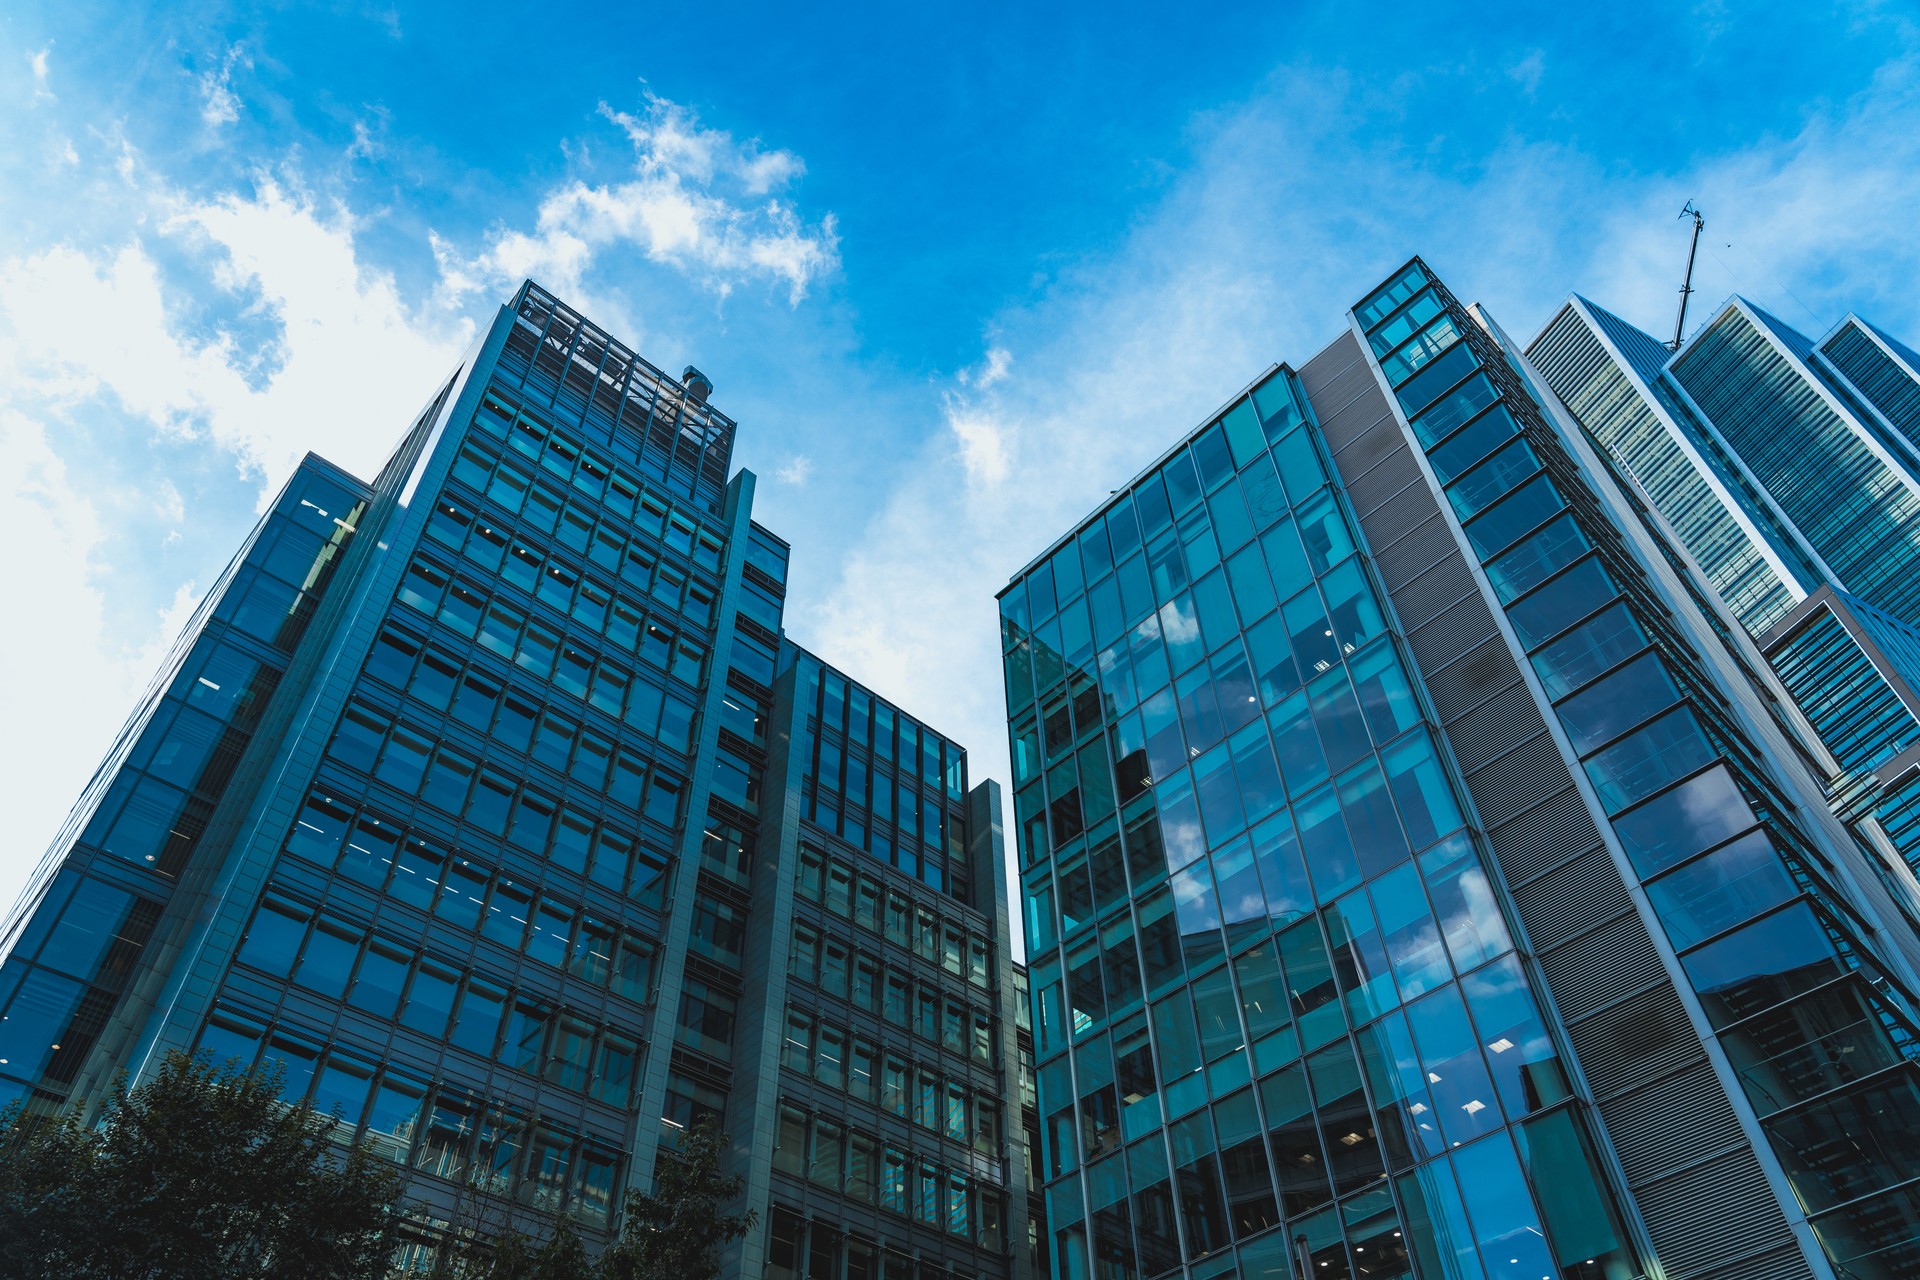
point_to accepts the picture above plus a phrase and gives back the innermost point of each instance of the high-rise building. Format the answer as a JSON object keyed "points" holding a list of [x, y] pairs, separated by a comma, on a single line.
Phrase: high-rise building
{"points": [[1790, 471], [1425, 876], [489, 800]]}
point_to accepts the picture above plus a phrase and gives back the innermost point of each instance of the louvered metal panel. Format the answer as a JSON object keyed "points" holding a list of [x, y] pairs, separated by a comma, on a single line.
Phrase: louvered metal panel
{"points": [[1604, 967], [1387, 478], [1419, 599], [1495, 727], [1333, 380], [1472, 678], [1544, 836], [1695, 1216], [1420, 549], [1624, 1047], [1398, 516], [1786, 1263], [1365, 449], [1567, 900], [1450, 633], [1518, 780], [1672, 1123]]}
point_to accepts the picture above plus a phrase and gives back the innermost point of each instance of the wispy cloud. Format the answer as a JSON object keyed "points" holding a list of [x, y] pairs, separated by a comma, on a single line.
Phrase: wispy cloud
{"points": [[342, 357], [697, 199], [1234, 269], [1527, 72], [219, 103], [37, 61], [795, 471], [73, 678]]}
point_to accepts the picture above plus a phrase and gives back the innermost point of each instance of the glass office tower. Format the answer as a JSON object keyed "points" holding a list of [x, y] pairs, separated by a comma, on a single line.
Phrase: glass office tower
{"points": [[487, 800], [1787, 469], [1423, 876]]}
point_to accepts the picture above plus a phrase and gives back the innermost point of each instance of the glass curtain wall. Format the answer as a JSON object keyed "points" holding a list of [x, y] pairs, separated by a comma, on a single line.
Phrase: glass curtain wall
{"points": [[1278, 1010], [1820, 1035]]}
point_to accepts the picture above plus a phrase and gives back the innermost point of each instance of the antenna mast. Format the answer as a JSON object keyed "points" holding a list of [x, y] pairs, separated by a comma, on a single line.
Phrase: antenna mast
{"points": [[1686, 287]]}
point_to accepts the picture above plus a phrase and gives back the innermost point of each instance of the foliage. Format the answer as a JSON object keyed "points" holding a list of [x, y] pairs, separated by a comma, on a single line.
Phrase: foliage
{"points": [[676, 1231], [199, 1173], [203, 1173]]}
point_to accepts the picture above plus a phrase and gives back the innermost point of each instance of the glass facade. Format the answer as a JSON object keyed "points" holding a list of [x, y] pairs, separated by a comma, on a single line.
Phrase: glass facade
{"points": [[1278, 1008], [1878, 370], [892, 1111], [76, 939], [466, 800], [1811, 445], [1700, 812], [1287, 1017], [1608, 374], [1856, 504]]}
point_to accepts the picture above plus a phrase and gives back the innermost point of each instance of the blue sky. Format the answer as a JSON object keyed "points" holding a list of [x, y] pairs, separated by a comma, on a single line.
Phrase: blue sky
{"points": [[957, 270]]}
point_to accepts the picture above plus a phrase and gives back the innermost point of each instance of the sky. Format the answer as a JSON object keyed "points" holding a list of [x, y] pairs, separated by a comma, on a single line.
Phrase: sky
{"points": [[957, 271]]}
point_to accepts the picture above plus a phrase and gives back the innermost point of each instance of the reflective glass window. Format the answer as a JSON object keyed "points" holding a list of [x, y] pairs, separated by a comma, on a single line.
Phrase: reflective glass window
{"points": [[1733, 883], [1763, 964]]}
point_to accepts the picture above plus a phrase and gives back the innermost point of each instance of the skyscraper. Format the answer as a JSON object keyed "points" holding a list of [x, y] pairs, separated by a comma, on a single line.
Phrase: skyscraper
{"points": [[1789, 471], [1423, 873], [490, 800]]}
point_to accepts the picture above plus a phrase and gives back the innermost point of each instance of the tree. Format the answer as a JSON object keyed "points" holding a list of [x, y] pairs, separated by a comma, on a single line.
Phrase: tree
{"points": [[199, 1173], [676, 1231]]}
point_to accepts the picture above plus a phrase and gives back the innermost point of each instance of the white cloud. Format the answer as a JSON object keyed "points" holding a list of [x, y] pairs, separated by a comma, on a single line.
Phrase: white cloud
{"points": [[38, 62], [796, 470], [993, 369], [983, 441], [219, 103], [1527, 72], [697, 200], [66, 678], [1236, 268], [369, 135], [345, 364]]}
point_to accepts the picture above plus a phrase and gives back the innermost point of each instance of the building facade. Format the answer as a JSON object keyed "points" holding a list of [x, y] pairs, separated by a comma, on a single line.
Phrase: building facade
{"points": [[1424, 875], [490, 802], [1788, 469]]}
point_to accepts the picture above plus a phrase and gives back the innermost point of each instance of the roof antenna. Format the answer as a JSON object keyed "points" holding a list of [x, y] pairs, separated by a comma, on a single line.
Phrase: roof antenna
{"points": [[1679, 325]]}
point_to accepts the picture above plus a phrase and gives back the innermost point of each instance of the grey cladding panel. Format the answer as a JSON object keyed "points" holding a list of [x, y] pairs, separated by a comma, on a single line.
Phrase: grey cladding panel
{"points": [[1365, 450], [1544, 836], [1472, 678], [1671, 1124], [1732, 1195], [1776, 1264], [1427, 544], [1495, 727], [1637, 1041], [1390, 476], [1451, 633], [1399, 516], [1603, 967], [1418, 599], [1684, 1154], [1567, 900], [1518, 780]]}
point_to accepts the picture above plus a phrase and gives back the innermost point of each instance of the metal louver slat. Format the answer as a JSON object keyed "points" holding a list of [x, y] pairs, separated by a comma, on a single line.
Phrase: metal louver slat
{"points": [[1694, 1215], [1472, 678], [1623, 1047], [1518, 780], [1544, 836], [1419, 598], [1567, 900], [1603, 967]]}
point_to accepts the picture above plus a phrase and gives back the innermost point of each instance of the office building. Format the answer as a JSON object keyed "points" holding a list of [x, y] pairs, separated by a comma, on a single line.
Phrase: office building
{"points": [[490, 801], [1423, 873], [1788, 469]]}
